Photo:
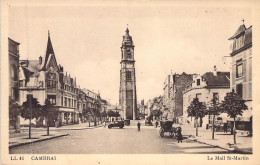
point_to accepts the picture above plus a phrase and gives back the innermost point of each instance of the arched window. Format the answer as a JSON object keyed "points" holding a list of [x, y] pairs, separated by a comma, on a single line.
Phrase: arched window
{"points": [[129, 54]]}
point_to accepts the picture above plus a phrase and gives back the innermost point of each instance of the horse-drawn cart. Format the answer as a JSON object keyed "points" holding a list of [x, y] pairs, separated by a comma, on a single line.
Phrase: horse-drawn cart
{"points": [[166, 126]]}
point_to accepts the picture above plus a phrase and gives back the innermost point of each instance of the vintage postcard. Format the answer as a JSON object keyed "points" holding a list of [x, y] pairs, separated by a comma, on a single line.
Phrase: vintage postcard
{"points": [[130, 82]]}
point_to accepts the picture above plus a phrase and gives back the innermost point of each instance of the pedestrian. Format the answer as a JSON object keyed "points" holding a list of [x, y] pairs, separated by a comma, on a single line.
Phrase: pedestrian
{"points": [[179, 135], [225, 128], [156, 124], [138, 126], [105, 124]]}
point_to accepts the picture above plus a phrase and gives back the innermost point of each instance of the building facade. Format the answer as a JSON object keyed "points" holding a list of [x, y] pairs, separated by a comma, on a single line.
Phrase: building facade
{"points": [[241, 77], [205, 87], [127, 91], [45, 79], [178, 87], [13, 51]]}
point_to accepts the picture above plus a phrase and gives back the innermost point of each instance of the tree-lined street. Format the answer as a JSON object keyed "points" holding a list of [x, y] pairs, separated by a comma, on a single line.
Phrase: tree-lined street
{"points": [[116, 141]]}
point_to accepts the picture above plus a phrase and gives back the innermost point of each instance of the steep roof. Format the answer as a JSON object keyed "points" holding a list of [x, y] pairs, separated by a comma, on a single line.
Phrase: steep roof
{"points": [[34, 67], [224, 74], [241, 29], [219, 80], [248, 36], [49, 50]]}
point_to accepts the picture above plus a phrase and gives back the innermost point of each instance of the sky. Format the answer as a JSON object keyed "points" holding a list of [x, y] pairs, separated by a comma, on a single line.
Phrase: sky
{"points": [[87, 41]]}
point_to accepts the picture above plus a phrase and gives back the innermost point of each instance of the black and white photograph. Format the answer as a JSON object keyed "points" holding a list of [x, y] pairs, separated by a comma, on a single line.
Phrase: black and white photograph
{"points": [[153, 79]]}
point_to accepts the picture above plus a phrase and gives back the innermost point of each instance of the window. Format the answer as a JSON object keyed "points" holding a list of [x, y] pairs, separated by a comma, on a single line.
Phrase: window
{"points": [[239, 89], [52, 99], [65, 102], [239, 68], [69, 101], [128, 76], [51, 84], [215, 95], [61, 101], [72, 101], [129, 55], [198, 81], [14, 71]]}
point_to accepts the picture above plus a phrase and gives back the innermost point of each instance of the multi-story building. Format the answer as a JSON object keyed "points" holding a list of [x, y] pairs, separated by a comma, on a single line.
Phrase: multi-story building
{"points": [[127, 90], [180, 84], [45, 79], [172, 98], [13, 51], [241, 77], [168, 110], [205, 87]]}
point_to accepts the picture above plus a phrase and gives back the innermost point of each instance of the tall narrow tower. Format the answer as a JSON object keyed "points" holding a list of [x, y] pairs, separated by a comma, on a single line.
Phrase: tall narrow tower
{"points": [[127, 91]]}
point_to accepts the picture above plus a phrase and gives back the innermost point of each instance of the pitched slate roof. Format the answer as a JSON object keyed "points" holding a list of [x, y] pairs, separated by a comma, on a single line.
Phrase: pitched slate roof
{"points": [[216, 81], [248, 36], [241, 29]]}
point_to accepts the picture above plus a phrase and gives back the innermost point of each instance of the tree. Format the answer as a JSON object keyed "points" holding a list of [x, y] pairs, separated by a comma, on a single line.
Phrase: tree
{"points": [[197, 110], [104, 114], [14, 110], [157, 113], [51, 113], [214, 109], [96, 113], [31, 109], [233, 105]]}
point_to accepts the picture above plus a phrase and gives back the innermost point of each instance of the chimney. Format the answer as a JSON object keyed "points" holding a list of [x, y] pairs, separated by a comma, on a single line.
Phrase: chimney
{"points": [[215, 70], [40, 60]]}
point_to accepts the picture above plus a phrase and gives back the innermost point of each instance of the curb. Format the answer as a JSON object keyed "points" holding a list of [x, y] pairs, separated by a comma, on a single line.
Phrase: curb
{"points": [[228, 149], [25, 143]]}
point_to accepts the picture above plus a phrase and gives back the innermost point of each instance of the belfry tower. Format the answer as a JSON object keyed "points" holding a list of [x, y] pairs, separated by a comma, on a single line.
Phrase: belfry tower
{"points": [[127, 91]]}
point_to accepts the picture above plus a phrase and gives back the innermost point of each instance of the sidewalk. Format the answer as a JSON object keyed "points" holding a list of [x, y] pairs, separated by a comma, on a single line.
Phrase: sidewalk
{"points": [[221, 139], [39, 134], [23, 137]]}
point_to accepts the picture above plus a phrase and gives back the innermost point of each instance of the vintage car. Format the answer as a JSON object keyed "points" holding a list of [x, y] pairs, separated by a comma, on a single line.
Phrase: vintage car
{"points": [[148, 122], [119, 124]]}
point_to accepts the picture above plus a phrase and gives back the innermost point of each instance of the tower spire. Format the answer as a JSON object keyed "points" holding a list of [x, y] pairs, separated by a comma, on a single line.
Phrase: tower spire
{"points": [[127, 30]]}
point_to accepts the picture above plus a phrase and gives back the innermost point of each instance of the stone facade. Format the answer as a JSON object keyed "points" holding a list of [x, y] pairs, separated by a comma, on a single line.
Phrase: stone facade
{"points": [[241, 77], [127, 91], [45, 79], [13, 51]]}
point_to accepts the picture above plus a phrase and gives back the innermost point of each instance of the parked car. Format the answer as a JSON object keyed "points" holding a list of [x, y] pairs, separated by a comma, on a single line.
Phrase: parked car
{"points": [[148, 122], [119, 124]]}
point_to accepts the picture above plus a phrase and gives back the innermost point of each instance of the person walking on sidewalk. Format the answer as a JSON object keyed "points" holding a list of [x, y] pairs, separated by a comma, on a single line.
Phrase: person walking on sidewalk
{"points": [[179, 135], [225, 127], [156, 124], [138, 126]]}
